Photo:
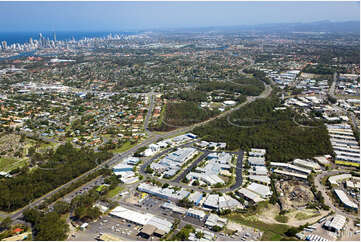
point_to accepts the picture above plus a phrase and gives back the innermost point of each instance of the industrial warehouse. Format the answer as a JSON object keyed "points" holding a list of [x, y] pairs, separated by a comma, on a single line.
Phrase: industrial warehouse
{"points": [[151, 224]]}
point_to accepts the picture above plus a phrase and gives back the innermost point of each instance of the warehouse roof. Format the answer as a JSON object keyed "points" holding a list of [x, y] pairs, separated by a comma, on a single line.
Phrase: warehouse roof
{"points": [[334, 179], [256, 160], [250, 195], [130, 215], [262, 179], [290, 166], [338, 222], [197, 212], [262, 190], [287, 173], [308, 164], [212, 200], [344, 199]]}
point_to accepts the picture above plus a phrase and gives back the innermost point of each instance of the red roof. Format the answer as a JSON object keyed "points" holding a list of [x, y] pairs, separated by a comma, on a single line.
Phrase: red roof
{"points": [[17, 230]]}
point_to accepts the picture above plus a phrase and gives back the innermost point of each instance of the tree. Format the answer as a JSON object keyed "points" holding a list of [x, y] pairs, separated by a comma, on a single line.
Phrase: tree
{"points": [[185, 203], [291, 232], [32, 215], [216, 228], [199, 235], [61, 207], [51, 227], [6, 223], [195, 183]]}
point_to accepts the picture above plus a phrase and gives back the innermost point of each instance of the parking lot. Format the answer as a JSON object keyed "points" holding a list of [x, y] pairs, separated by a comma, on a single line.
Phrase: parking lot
{"points": [[83, 189], [111, 225]]}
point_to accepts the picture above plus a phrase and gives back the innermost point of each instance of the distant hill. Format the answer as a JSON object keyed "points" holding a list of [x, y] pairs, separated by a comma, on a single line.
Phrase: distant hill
{"points": [[320, 26]]}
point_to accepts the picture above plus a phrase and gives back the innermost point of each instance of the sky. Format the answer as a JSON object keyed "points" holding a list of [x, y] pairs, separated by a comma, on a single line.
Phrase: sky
{"points": [[128, 16]]}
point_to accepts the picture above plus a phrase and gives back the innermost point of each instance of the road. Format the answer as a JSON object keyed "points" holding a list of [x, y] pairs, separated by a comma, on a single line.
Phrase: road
{"points": [[153, 138], [149, 113], [333, 85], [328, 200], [189, 168], [239, 178]]}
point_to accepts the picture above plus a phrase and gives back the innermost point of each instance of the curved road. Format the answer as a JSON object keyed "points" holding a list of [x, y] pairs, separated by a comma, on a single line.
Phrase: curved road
{"points": [[328, 200]]}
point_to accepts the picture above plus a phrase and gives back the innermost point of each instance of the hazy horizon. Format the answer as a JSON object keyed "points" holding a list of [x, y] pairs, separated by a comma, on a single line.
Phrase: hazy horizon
{"points": [[132, 16]]}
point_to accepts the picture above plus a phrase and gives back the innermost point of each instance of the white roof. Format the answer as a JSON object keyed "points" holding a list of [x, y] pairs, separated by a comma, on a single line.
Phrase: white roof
{"points": [[338, 222], [290, 166], [308, 164], [174, 207], [197, 212], [262, 190], [344, 199], [250, 195], [196, 196], [161, 224], [334, 179], [321, 159], [130, 215], [262, 179], [259, 170], [212, 200], [287, 173], [256, 160]]}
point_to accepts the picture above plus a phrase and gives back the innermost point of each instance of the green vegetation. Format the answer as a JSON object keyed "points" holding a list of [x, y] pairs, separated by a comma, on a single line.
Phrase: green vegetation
{"points": [[183, 114], [47, 226], [271, 231], [216, 228], [272, 130], [61, 207], [5, 223], [183, 234], [322, 69], [10, 163], [64, 164], [114, 191], [303, 216], [244, 86], [317, 194], [185, 203], [124, 147], [281, 218], [82, 206], [72, 187], [260, 75], [139, 151]]}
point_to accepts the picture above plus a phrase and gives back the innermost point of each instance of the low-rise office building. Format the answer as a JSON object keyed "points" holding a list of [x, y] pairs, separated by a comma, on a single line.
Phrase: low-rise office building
{"points": [[196, 213]]}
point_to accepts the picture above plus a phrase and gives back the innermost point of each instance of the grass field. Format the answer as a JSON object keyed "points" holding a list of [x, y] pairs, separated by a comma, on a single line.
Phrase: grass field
{"points": [[281, 218], [126, 146], [270, 231], [114, 192], [304, 216], [9, 163]]}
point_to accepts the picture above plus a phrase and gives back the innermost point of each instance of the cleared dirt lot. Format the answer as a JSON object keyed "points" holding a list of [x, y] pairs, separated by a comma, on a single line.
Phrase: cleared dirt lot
{"points": [[294, 194]]}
